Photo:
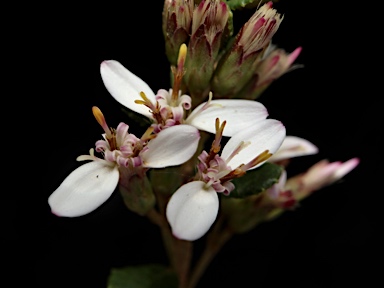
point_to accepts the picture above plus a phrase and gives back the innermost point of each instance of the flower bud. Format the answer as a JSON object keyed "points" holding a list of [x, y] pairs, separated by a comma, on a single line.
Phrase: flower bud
{"points": [[209, 33], [237, 65], [274, 64], [177, 19]]}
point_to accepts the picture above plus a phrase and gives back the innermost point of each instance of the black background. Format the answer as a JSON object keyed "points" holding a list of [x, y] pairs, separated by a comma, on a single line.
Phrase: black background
{"points": [[331, 240]]}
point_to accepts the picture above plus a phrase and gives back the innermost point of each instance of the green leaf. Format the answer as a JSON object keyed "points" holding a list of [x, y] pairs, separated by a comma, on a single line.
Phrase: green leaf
{"points": [[144, 276], [256, 181]]}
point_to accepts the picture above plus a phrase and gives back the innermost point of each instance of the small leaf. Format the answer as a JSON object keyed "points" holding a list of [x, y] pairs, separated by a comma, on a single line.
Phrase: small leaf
{"points": [[256, 181], [144, 276]]}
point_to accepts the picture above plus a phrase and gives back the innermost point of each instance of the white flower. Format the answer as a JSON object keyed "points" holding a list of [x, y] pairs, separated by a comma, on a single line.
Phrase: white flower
{"points": [[193, 208], [90, 185], [168, 108]]}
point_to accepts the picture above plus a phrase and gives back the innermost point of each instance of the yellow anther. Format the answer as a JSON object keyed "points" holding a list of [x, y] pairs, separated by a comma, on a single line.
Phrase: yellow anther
{"points": [[182, 56], [178, 73], [101, 120], [258, 159], [148, 134]]}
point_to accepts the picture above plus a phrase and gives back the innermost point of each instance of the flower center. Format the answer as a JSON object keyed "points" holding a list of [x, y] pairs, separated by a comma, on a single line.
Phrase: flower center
{"points": [[213, 169], [119, 146], [171, 105]]}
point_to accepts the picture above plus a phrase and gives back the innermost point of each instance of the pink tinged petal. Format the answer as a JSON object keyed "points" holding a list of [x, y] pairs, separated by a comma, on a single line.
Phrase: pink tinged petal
{"points": [[125, 86], [294, 147], [192, 210], [292, 57], [84, 190], [238, 113], [172, 146], [324, 173], [266, 135], [345, 168]]}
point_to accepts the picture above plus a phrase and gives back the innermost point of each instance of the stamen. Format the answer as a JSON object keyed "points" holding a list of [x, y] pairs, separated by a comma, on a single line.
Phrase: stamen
{"points": [[178, 74], [101, 120], [148, 134], [146, 102], [241, 146], [215, 148], [155, 108], [91, 156], [258, 159], [219, 135], [208, 103]]}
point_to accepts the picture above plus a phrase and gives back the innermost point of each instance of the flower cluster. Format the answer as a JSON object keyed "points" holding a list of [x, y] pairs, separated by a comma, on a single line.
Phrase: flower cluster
{"points": [[216, 79]]}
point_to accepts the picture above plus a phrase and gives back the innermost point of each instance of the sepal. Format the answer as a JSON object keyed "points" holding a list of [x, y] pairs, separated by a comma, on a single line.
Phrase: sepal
{"points": [[138, 195]]}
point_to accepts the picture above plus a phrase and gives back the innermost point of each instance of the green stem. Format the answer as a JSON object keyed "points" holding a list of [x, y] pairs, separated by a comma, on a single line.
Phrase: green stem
{"points": [[166, 234], [183, 256], [215, 241], [179, 251]]}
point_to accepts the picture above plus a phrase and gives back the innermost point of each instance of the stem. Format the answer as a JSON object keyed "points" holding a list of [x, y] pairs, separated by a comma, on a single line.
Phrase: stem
{"points": [[158, 217], [215, 241], [166, 234], [182, 257], [179, 251]]}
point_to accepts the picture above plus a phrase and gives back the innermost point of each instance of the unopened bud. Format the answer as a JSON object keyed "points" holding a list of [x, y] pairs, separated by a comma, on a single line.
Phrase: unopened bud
{"points": [[236, 67], [177, 21], [273, 65], [210, 30]]}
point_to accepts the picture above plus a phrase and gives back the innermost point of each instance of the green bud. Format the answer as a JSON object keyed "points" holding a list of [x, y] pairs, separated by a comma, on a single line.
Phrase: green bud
{"points": [[237, 65], [176, 26], [210, 29], [275, 63]]}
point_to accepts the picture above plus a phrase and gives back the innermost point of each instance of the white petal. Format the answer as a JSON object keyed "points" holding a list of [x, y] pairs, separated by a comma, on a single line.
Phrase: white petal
{"points": [[294, 147], [192, 210], [125, 86], [266, 135], [84, 190], [172, 146], [238, 113]]}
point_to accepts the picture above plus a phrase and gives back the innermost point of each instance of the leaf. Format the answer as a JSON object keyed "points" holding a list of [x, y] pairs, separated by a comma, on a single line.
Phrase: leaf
{"points": [[144, 276], [256, 181]]}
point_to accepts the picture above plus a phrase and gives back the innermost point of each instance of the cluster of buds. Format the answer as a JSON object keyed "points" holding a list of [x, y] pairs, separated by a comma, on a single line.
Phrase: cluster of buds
{"points": [[230, 66]]}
